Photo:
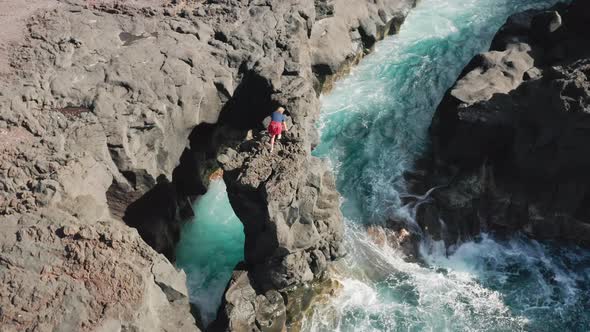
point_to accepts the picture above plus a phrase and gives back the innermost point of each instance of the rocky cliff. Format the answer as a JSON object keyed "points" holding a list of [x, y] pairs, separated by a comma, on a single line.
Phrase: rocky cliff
{"points": [[510, 139], [114, 116]]}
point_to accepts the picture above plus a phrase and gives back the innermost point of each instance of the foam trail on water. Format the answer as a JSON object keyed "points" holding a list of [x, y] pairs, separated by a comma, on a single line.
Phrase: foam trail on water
{"points": [[383, 292], [374, 123], [373, 126]]}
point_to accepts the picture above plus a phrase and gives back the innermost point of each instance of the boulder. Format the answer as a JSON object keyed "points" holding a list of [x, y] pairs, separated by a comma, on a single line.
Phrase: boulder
{"points": [[546, 23], [509, 138]]}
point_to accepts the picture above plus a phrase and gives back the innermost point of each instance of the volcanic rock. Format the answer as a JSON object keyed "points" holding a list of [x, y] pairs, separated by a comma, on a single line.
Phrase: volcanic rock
{"points": [[510, 136]]}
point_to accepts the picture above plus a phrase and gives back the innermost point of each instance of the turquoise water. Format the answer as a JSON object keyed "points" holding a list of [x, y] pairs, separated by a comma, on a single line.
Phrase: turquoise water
{"points": [[373, 127], [210, 247]]}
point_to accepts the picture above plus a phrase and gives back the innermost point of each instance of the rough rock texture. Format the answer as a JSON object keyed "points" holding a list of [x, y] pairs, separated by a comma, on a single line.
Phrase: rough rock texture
{"points": [[59, 275], [510, 138], [290, 240], [348, 29], [13, 18], [89, 90], [79, 119], [244, 307], [118, 112]]}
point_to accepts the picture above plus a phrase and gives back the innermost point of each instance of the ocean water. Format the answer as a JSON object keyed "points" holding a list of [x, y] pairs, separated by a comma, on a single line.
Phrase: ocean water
{"points": [[210, 247], [373, 126]]}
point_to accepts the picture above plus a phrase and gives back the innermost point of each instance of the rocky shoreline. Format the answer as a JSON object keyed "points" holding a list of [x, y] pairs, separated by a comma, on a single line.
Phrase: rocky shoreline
{"points": [[510, 137], [115, 116]]}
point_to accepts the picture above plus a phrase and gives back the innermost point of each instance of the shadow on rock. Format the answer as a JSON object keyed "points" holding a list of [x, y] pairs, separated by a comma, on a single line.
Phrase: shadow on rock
{"points": [[157, 216]]}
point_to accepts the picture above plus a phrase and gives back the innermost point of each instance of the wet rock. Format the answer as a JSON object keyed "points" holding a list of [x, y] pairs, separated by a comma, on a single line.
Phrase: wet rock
{"points": [[301, 301], [509, 137], [340, 38], [246, 308], [396, 236]]}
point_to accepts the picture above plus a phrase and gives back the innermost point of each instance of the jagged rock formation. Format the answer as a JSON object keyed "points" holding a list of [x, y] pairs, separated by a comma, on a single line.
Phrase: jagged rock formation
{"points": [[348, 29], [119, 113], [510, 138], [74, 118], [60, 275], [287, 200]]}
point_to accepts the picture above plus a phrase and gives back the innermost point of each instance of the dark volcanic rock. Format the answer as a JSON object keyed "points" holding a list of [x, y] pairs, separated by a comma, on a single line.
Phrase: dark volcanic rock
{"points": [[510, 138]]}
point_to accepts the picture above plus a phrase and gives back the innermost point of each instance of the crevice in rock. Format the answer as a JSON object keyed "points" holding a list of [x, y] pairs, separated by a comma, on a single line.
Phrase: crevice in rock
{"points": [[250, 104], [159, 214], [155, 215]]}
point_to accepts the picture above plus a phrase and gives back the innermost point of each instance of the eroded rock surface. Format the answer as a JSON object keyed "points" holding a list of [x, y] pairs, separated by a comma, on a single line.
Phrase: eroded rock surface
{"points": [[120, 113], [59, 275], [510, 138], [287, 200], [290, 240]]}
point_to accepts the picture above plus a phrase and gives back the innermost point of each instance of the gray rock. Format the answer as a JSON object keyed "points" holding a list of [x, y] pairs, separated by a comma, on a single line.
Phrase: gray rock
{"points": [[245, 308], [303, 214], [172, 283], [95, 276], [119, 113], [340, 39], [495, 72]]}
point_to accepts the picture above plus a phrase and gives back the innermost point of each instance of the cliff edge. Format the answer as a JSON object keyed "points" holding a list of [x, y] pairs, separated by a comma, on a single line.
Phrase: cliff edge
{"points": [[510, 137], [114, 114]]}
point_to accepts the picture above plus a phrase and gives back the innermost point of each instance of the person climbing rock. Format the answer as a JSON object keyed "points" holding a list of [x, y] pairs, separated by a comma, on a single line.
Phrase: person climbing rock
{"points": [[276, 126]]}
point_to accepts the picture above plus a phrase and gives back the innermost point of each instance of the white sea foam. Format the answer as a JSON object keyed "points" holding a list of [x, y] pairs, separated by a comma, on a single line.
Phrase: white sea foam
{"points": [[374, 124], [209, 248]]}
